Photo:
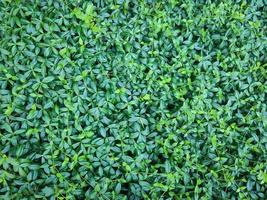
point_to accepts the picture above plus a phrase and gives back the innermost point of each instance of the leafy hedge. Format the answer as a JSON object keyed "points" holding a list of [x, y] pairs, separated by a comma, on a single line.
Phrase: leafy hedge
{"points": [[133, 99]]}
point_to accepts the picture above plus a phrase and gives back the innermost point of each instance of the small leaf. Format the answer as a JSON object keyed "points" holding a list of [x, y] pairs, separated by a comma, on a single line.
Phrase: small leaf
{"points": [[48, 79], [48, 191], [7, 127], [118, 188], [146, 97], [214, 140], [103, 132]]}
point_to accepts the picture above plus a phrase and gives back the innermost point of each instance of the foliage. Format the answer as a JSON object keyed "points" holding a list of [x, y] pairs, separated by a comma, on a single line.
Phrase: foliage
{"points": [[133, 99]]}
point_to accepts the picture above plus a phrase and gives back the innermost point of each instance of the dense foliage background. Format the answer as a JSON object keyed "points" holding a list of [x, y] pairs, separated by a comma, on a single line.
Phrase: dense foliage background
{"points": [[133, 99]]}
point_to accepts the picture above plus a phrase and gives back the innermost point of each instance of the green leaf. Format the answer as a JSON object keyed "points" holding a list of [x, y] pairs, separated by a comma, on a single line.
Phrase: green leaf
{"points": [[48, 191], [7, 127], [118, 188], [103, 132], [48, 79], [78, 13], [214, 140]]}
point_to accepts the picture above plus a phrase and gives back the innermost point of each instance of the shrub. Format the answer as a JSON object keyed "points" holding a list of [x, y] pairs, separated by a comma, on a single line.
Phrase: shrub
{"points": [[127, 99]]}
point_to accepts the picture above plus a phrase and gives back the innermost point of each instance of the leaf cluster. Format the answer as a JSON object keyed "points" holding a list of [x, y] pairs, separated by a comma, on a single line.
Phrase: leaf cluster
{"points": [[133, 99]]}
